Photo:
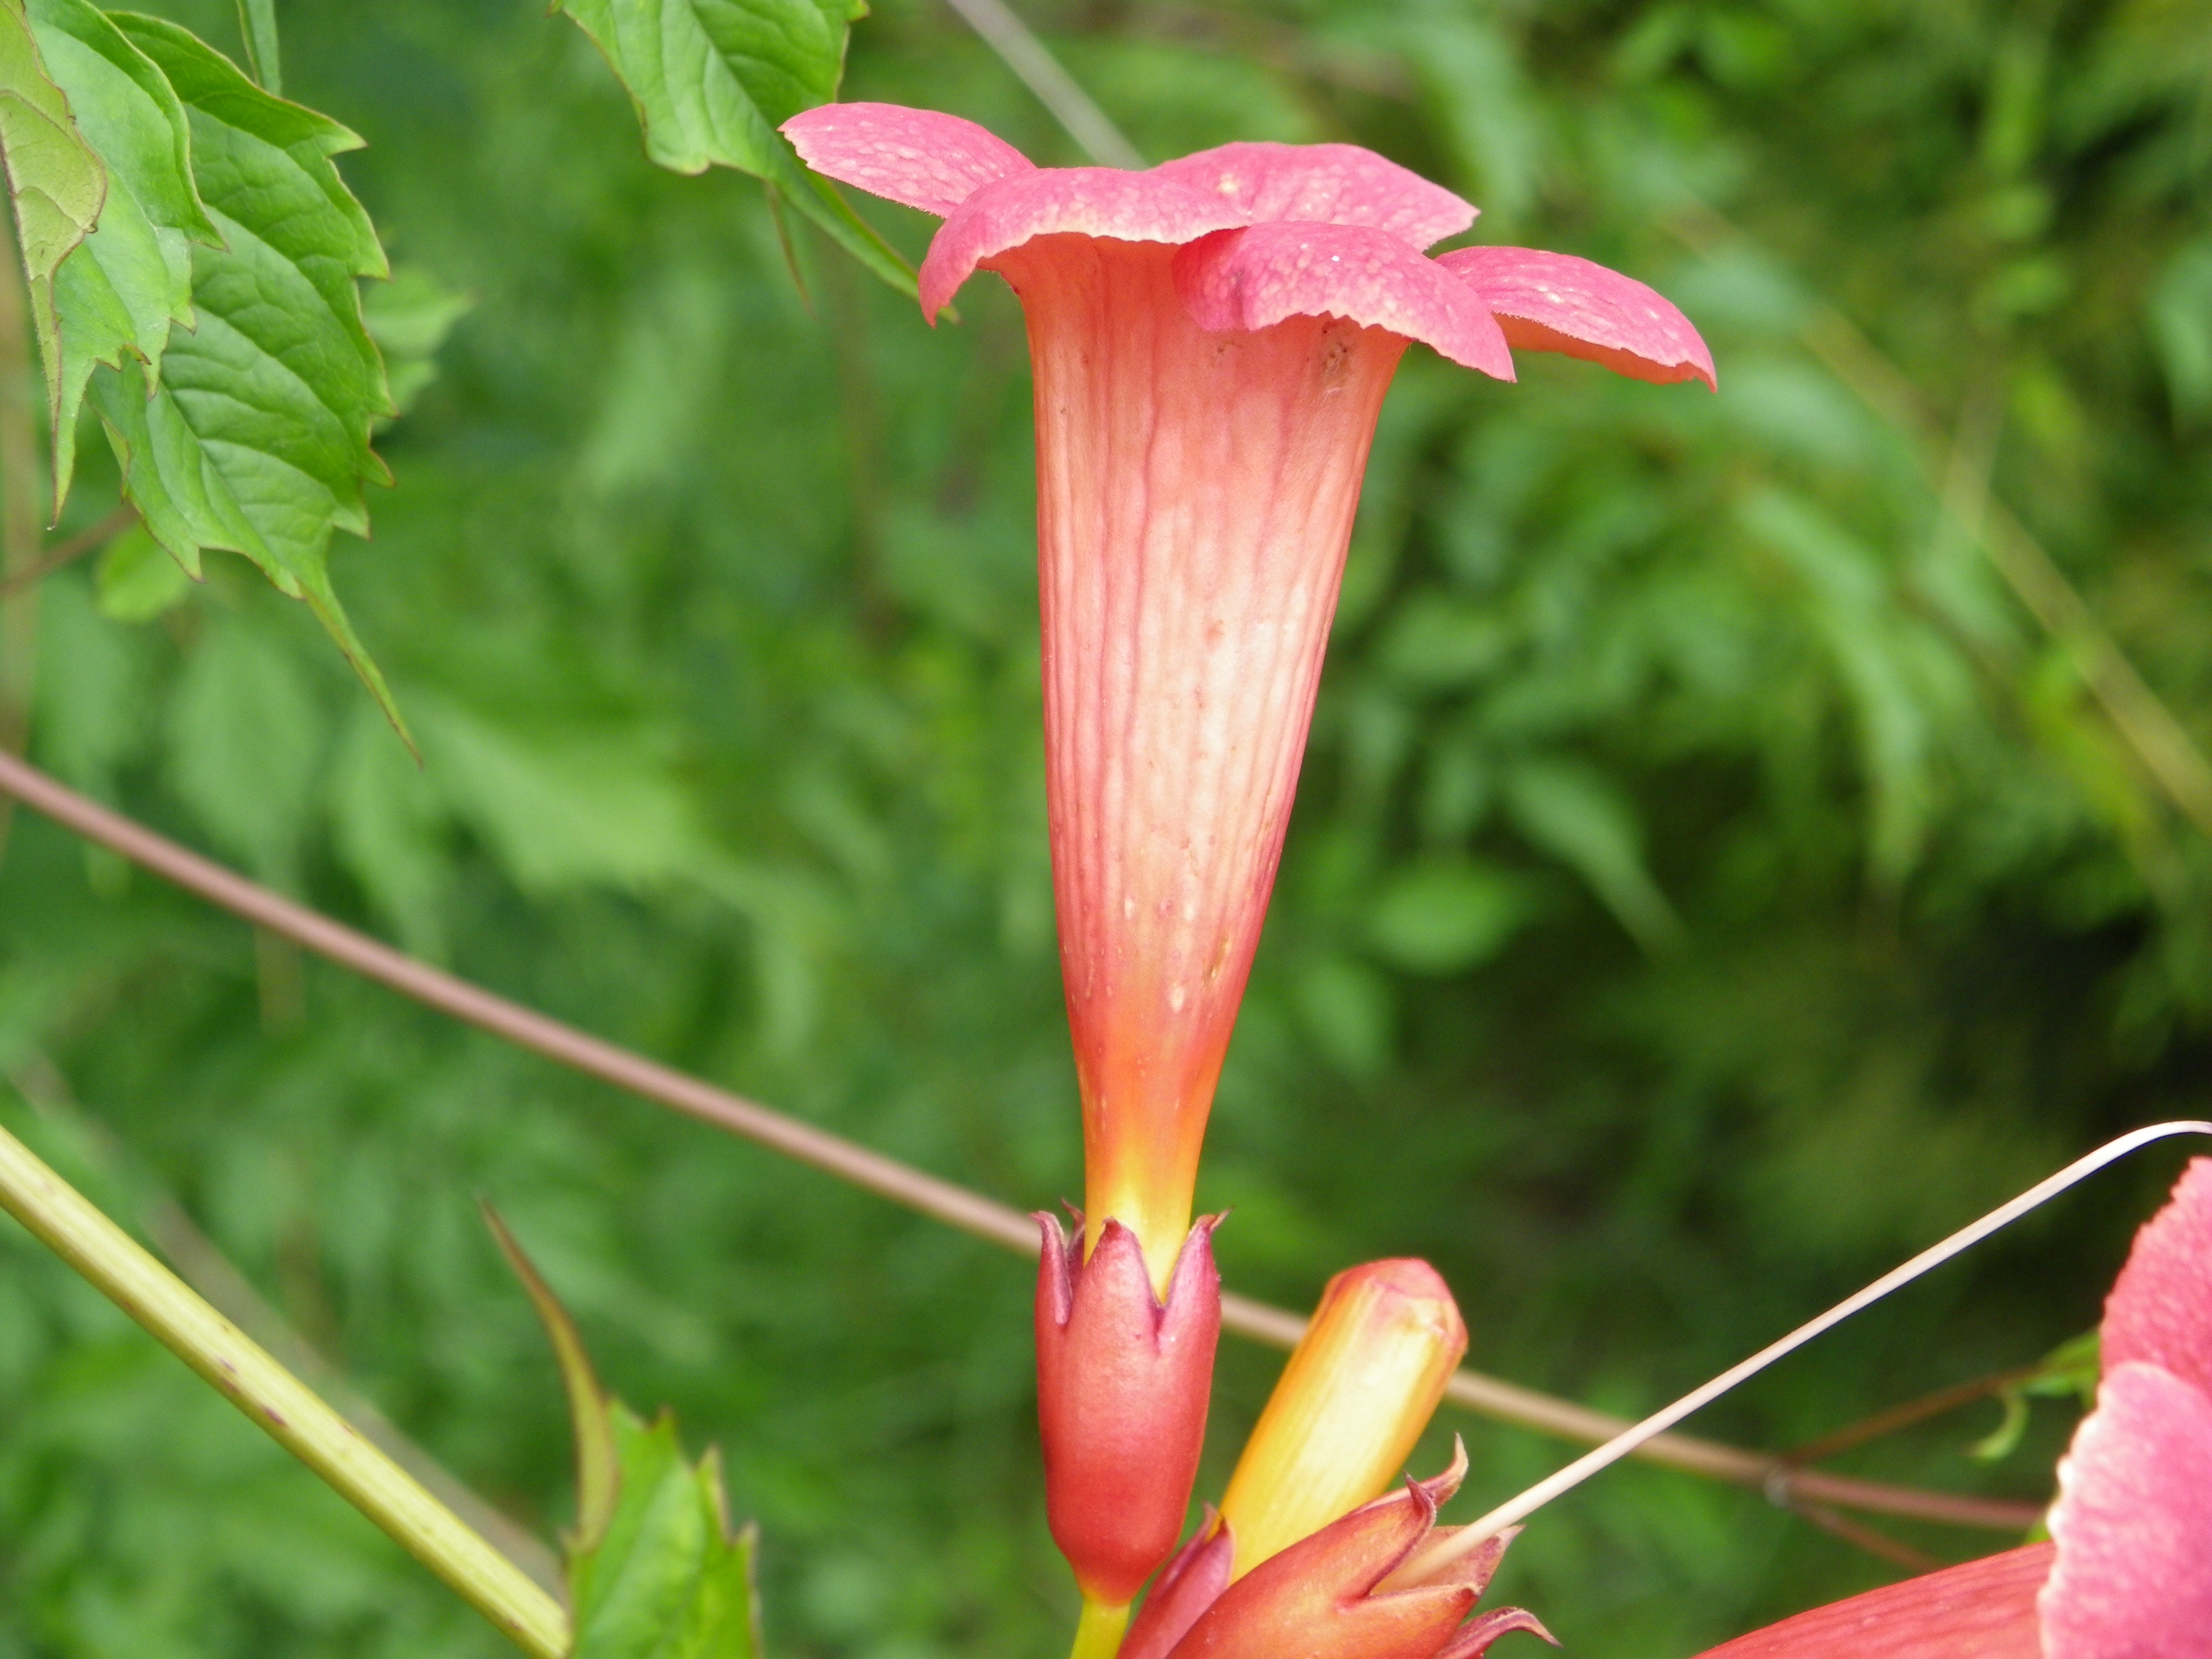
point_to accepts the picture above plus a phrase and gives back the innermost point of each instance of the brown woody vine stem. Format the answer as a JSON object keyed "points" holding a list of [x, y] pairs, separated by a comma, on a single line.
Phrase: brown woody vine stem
{"points": [[956, 1205]]}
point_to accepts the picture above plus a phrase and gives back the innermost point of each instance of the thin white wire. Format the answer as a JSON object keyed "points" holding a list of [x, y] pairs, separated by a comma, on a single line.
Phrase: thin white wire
{"points": [[1055, 88], [1519, 1509]]}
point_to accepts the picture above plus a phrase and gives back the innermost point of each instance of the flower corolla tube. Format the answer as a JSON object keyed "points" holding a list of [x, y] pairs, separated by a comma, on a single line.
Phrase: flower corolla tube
{"points": [[2128, 1571], [1210, 339]]}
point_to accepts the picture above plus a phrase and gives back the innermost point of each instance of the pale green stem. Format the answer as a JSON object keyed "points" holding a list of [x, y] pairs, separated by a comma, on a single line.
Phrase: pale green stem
{"points": [[1098, 1632], [283, 1405]]}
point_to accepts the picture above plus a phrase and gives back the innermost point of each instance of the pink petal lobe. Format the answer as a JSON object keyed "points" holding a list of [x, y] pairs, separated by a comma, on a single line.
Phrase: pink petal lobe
{"points": [[2160, 1308], [917, 157], [1249, 278], [2134, 1525], [1556, 302], [1100, 201], [1982, 1609], [1324, 183]]}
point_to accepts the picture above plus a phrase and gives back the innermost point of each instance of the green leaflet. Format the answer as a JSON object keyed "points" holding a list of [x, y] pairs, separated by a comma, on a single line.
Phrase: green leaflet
{"points": [[254, 433], [654, 1571], [712, 79], [54, 177], [55, 180], [257, 22], [120, 289]]}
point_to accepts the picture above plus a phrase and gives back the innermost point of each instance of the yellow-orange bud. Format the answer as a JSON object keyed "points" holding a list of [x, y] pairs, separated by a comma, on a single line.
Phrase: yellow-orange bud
{"points": [[1359, 1389]]}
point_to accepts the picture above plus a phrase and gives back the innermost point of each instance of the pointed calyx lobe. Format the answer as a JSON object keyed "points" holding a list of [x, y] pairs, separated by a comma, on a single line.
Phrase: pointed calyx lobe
{"points": [[1122, 1384], [1331, 1596]]}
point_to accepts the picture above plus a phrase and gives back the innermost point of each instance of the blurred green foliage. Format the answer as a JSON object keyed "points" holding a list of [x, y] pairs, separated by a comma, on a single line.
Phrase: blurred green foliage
{"points": [[1708, 883]]}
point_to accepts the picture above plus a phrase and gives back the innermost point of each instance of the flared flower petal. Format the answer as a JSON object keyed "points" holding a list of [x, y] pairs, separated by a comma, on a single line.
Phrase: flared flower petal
{"points": [[1326, 185], [1122, 1384], [1098, 202], [2160, 1308], [1556, 302], [916, 157], [1982, 1609], [1257, 276], [2134, 1524], [1203, 418], [1326, 1597]]}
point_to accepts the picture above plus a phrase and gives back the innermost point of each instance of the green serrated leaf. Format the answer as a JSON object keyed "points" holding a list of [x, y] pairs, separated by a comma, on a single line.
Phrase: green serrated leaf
{"points": [[59, 187], [712, 79], [670, 1579], [254, 435], [120, 289], [55, 177], [655, 1570]]}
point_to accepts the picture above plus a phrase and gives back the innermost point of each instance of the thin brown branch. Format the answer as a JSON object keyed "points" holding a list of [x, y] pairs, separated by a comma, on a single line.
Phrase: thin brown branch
{"points": [[1905, 1416], [69, 549], [1874, 1542], [930, 1195]]}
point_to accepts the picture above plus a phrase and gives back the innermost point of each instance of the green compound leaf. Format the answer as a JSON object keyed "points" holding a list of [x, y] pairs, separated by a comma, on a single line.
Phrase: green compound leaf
{"points": [[654, 1570], [712, 81], [120, 289], [254, 433]]}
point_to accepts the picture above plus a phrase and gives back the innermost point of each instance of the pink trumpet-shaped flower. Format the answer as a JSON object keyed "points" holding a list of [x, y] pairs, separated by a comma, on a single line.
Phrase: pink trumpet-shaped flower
{"points": [[1122, 1385], [1330, 1595], [2128, 1573], [1211, 340]]}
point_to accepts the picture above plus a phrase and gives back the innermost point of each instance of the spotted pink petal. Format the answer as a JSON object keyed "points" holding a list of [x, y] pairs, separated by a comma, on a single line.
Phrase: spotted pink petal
{"points": [[1324, 183], [1100, 201], [2160, 1308], [913, 157], [1556, 302], [1249, 278], [1983, 1609], [2134, 1524]]}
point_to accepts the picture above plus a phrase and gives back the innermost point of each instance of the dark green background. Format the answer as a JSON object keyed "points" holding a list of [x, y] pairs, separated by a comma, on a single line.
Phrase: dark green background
{"points": [[1708, 885]]}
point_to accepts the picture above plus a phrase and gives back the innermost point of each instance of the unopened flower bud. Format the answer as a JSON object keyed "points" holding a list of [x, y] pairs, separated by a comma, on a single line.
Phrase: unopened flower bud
{"points": [[1359, 1389]]}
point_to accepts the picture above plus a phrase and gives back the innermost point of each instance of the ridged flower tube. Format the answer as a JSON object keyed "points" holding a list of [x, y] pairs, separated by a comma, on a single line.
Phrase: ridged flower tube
{"points": [[1353, 1398], [1212, 341], [2128, 1574], [1122, 1385]]}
